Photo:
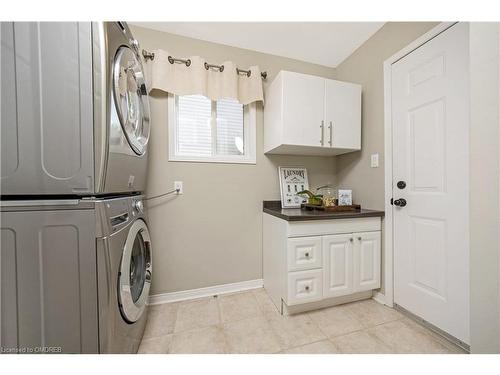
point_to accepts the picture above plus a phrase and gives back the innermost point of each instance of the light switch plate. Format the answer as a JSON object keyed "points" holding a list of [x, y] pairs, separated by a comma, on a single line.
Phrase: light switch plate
{"points": [[374, 161]]}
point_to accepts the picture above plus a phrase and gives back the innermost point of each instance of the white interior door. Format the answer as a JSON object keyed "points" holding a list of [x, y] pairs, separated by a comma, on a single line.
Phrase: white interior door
{"points": [[430, 120]]}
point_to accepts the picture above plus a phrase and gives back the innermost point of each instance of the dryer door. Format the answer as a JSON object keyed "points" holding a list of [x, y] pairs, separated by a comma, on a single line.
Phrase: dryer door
{"points": [[131, 98], [135, 272]]}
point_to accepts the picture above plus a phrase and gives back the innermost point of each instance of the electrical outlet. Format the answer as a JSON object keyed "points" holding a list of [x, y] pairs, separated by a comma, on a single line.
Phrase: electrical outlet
{"points": [[178, 185], [374, 161]]}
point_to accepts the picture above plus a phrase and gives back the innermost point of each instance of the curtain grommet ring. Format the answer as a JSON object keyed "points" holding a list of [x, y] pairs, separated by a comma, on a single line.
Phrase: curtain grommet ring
{"points": [[220, 68], [248, 72]]}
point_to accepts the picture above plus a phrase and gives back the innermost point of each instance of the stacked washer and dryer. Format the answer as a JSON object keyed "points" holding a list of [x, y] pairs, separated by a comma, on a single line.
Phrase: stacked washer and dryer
{"points": [[76, 259]]}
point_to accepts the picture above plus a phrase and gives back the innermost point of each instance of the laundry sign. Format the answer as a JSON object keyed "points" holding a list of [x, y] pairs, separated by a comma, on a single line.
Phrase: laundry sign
{"points": [[292, 181]]}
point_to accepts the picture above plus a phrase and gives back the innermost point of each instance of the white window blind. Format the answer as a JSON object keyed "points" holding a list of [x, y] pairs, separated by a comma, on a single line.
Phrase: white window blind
{"points": [[194, 129], [229, 127], [208, 130]]}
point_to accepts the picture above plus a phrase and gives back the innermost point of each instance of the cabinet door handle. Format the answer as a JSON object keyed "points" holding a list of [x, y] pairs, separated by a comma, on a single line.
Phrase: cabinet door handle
{"points": [[322, 133], [307, 255], [331, 134], [351, 239], [359, 238], [307, 287]]}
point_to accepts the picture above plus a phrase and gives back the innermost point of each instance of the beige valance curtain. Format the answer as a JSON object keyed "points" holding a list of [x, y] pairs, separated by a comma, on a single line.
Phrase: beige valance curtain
{"points": [[195, 79]]}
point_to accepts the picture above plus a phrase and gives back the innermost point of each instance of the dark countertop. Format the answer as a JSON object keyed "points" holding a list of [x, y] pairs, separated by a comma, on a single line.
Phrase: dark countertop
{"points": [[297, 214]]}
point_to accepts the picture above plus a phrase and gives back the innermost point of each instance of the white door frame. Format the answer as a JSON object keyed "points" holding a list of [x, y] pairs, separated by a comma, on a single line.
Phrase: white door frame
{"points": [[388, 296]]}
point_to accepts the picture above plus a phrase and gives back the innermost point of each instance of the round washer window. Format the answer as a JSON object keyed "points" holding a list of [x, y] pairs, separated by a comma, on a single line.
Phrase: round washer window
{"points": [[131, 99], [135, 272]]}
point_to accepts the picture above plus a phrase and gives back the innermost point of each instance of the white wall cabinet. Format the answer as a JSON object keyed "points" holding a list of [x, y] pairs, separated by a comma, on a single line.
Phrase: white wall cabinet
{"points": [[311, 115], [324, 262]]}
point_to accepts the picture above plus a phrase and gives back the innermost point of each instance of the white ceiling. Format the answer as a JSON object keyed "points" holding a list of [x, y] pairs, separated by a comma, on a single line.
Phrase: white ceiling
{"points": [[324, 43]]}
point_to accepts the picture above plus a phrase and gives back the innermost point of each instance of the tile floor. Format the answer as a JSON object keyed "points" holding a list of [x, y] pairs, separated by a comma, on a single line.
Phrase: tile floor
{"points": [[248, 322]]}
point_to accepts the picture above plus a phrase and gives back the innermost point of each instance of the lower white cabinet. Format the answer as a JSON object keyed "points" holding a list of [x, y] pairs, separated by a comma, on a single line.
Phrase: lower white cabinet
{"points": [[351, 263], [338, 275], [366, 261], [341, 257]]}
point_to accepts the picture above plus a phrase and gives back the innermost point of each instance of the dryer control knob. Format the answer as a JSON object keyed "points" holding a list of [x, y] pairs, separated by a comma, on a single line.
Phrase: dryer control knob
{"points": [[139, 206]]}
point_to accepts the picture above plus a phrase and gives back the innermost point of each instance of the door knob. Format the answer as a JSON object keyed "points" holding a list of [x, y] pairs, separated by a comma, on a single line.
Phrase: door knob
{"points": [[401, 184], [401, 202]]}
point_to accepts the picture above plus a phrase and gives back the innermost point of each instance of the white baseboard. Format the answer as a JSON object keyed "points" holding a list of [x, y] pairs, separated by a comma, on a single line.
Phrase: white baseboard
{"points": [[379, 297], [157, 299]]}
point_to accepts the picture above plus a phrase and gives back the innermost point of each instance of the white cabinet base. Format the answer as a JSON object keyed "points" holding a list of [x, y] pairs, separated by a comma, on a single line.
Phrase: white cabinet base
{"points": [[315, 264], [328, 302]]}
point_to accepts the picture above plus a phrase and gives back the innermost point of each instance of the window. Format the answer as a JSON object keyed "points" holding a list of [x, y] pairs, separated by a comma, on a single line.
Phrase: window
{"points": [[221, 131]]}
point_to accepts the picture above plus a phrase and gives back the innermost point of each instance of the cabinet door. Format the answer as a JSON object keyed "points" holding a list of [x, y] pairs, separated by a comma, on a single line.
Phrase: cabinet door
{"points": [[338, 265], [342, 115], [366, 261], [46, 108], [303, 110], [48, 275]]}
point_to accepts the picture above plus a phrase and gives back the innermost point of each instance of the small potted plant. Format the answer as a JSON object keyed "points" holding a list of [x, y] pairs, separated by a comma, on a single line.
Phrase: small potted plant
{"points": [[312, 199]]}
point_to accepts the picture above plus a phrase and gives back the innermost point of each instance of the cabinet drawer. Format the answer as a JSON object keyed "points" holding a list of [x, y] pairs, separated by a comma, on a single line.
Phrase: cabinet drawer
{"points": [[305, 286], [304, 253], [337, 226]]}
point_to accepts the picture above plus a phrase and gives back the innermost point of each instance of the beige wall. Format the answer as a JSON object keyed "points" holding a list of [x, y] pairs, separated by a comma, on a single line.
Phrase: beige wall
{"points": [[365, 66], [212, 234]]}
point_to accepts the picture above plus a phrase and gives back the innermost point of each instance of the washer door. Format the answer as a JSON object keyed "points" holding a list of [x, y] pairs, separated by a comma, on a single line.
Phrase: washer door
{"points": [[131, 99], [135, 272]]}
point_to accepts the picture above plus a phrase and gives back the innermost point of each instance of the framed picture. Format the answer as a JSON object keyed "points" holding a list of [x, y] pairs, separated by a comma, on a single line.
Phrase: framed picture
{"points": [[292, 180], [345, 197]]}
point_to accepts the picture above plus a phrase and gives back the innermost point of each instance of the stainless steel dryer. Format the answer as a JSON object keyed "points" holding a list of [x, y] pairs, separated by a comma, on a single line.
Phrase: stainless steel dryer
{"points": [[74, 109], [124, 267]]}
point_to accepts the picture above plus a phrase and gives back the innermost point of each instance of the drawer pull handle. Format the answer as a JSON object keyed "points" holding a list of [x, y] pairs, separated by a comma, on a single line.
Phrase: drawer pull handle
{"points": [[307, 287], [307, 255], [359, 238], [351, 239]]}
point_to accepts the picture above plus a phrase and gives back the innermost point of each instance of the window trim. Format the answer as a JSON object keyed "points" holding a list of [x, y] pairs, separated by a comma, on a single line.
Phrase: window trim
{"points": [[249, 136]]}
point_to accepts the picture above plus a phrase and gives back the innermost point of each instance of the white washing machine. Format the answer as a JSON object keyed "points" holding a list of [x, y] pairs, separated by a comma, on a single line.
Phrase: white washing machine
{"points": [[74, 110]]}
